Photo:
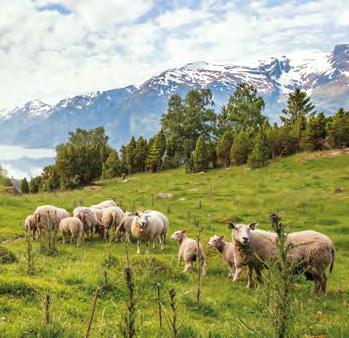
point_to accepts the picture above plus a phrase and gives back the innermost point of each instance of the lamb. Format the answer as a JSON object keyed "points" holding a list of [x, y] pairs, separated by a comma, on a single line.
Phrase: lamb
{"points": [[310, 252], [227, 251], [189, 250], [125, 227], [72, 226], [88, 219], [104, 204], [48, 215], [148, 227], [111, 218], [30, 225]]}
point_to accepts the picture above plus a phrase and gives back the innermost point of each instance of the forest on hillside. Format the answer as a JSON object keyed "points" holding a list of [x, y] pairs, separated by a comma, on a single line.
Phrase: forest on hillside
{"points": [[192, 134]]}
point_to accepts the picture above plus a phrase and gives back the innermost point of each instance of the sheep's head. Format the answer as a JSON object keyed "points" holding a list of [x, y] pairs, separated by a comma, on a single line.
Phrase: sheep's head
{"points": [[179, 235], [215, 241], [241, 232], [143, 222]]}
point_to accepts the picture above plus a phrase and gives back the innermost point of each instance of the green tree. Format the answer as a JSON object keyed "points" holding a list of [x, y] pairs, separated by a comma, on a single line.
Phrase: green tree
{"points": [[224, 148], [34, 184], [79, 161], [243, 111], [153, 159], [260, 153], [24, 186], [140, 154], [4, 180], [338, 129], [241, 148], [299, 107], [200, 155], [130, 155], [112, 166], [315, 133]]}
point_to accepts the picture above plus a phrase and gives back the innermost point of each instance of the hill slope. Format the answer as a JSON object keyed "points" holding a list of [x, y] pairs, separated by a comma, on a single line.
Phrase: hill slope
{"points": [[300, 187]]}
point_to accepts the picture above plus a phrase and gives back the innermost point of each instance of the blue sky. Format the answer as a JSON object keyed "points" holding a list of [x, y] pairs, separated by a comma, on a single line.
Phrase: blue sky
{"points": [[52, 49]]}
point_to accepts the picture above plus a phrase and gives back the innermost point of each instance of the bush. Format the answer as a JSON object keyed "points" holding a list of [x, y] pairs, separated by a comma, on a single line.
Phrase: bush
{"points": [[6, 256]]}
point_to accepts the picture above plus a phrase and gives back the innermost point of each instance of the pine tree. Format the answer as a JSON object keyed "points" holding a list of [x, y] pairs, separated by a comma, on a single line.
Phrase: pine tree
{"points": [[243, 111], [299, 107], [224, 148], [130, 155], [338, 129], [241, 148], [24, 186], [153, 159], [200, 155], [112, 166], [315, 134], [260, 153]]}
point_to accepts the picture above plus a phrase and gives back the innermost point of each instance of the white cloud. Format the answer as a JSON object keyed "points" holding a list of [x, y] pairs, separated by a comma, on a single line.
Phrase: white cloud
{"points": [[92, 45]]}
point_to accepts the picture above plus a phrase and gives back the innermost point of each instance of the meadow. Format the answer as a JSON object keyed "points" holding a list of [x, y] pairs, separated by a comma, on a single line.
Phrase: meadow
{"points": [[301, 188]]}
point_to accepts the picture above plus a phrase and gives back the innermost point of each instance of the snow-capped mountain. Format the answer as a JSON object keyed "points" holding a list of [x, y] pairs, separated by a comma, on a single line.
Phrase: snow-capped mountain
{"points": [[137, 110]]}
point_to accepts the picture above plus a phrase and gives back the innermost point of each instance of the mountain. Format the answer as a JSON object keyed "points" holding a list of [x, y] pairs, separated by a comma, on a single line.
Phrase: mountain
{"points": [[136, 110]]}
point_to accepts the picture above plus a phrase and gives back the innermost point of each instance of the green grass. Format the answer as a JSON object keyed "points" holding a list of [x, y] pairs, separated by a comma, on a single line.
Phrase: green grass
{"points": [[299, 188]]}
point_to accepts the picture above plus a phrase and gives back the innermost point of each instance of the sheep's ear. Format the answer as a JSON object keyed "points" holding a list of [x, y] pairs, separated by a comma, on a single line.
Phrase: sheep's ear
{"points": [[221, 238], [184, 231], [231, 225], [253, 225]]}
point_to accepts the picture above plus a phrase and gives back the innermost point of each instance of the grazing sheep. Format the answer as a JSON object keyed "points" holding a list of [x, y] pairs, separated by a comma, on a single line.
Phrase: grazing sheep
{"points": [[226, 249], [104, 204], [30, 225], [46, 215], [251, 247], [125, 227], [99, 213], [148, 227], [310, 252], [111, 218], [72, 226], [189, 250], [163, 217], [88, 219]]}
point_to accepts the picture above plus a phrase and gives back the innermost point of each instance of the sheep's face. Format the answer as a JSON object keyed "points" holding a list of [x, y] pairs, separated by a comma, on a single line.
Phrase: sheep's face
{"points": [[215, 241], [241, 232], [178, 235], [143, 222]]}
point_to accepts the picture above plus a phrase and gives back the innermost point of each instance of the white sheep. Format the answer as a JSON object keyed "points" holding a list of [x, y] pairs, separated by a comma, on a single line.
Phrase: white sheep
{"points": [[88, 219], [49, 215], [72, 226], [189, 251], [111, 218], [227, 251], [30, 225], [125, 227], [310, 252], [148, 227], [104, 204]]}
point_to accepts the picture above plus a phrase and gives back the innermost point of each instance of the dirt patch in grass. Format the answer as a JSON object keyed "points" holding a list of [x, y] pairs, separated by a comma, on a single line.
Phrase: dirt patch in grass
{"points": [[324, 154], [93, 188]]}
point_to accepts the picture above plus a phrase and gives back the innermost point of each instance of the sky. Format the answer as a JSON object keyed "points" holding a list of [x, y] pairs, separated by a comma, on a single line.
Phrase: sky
{"points": [[59, 48]]}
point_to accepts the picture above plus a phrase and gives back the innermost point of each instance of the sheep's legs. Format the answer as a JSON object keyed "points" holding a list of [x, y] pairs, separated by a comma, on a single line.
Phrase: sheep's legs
{"points": [[138, 247], [323, 283], [249, 277], [237, 273], [187, 267], [161, 240], [148, 245], [231, 272]]}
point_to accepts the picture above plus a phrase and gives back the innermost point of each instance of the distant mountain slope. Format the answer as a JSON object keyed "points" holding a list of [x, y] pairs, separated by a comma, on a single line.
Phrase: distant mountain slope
{"points": [[136, 110]]}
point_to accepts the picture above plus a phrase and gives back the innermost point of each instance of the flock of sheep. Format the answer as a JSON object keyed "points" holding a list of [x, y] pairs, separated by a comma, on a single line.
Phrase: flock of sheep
{"points": [[310, 252]]}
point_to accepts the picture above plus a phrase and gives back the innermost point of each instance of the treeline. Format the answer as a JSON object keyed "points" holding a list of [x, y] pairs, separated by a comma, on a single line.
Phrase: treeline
{"points": [[192, 134]]}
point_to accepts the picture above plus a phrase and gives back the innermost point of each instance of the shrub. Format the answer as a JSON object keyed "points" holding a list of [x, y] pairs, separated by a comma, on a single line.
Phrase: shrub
{"points": [[6, 256]]}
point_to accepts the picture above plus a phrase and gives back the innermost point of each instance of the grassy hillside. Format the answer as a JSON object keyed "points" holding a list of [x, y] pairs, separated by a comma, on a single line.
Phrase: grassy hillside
{"points": [[301, 188]]}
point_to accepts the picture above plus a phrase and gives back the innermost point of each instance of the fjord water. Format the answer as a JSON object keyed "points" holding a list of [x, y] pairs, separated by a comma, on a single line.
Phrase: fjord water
{"points": [[21, 162]]}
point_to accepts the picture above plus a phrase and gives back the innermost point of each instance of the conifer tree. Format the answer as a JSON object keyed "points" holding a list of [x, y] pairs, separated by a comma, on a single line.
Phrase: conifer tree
{"points": [[338, 129], [153, 159], [24, 186], [224, 148], [260, 153], [299, 107], [315, 133], [200, 155], [112, 166], [241, 148]]}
